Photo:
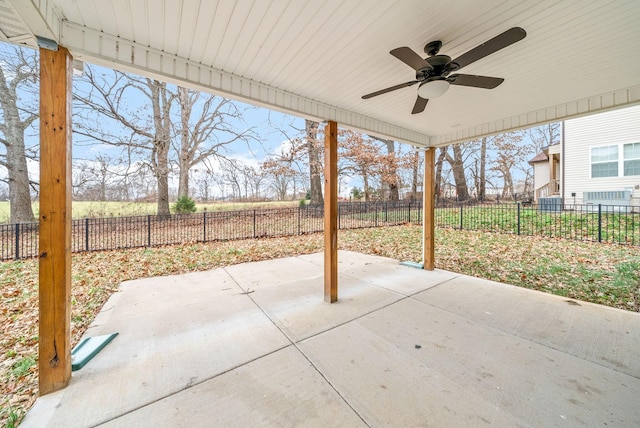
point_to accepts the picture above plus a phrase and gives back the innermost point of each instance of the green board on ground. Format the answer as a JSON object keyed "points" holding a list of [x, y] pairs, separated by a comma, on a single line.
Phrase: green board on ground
{"points": [[84, 351], [412, 264]]}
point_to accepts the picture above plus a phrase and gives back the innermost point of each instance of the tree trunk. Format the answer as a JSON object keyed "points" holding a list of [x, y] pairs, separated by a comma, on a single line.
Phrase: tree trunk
{"points": [[414, 178], [183, 156], [507, 190], [18, 175], [365, 181], [438, 174], [162, 123], [392, 179], [13, 129], [315, 167], [457, 167]]}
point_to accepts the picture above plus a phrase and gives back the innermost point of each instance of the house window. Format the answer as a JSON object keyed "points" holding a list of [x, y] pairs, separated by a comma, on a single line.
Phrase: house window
{"points": [[604, 161], [631, 154]]}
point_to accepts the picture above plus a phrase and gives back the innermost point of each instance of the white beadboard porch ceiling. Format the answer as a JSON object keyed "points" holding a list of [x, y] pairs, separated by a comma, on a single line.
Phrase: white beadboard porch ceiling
{"points": [[316, 58]]}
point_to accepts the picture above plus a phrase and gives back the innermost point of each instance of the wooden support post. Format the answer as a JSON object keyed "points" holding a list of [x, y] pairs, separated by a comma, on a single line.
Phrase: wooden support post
{"points": [[54, 343], [331, 212], [428, 212]]}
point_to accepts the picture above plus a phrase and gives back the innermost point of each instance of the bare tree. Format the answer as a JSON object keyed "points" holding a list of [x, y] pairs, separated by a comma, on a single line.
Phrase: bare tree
{"points": [[410, 167], [544, 135], [93, 180], [206, 131], [482, 179], [457, 163], [314, 151], [106, 114], [389, 169], [360, 156], [254, 178], [282, 175], [232, 176], [509, 153], [18, 76], [442, 153], [203, 181]]}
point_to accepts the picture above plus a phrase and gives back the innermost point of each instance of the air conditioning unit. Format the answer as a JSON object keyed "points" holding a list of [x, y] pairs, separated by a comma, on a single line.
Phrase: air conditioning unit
{"points": [[611, 200], [551, 204]]}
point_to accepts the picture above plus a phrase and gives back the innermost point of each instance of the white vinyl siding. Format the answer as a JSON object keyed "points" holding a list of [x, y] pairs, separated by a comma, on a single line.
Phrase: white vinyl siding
{"points": [[619, 128]]}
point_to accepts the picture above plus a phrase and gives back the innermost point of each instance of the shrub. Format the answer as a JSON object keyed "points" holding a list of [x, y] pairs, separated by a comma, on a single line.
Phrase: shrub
{"points": [[184, 205]]}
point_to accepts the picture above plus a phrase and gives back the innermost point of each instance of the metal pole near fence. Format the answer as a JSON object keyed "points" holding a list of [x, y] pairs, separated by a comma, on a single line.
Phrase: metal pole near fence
{"points": [[375, 208], [204, 226], [148, 230], [518, 218], [86, 234], [460, 217], [254, 224], [17, 241], [599, 222]]}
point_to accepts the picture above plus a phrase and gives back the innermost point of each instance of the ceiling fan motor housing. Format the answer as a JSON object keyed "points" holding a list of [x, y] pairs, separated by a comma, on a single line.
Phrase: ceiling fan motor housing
{"points": [[441, 65]]}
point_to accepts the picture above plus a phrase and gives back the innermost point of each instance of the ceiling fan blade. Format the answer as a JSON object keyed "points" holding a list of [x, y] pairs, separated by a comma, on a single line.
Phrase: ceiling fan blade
{"points": [[393, 88], [420, 105], [500, 41], [475, 81], [409, 57]]}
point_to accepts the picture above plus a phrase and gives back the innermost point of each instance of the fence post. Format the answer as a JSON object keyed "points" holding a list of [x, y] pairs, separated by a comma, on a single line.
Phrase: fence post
{"points": [[148, 230], [460, 217], [375, 208], [599, 222], [518, 218], [17, 241], [299, 214], [254, 224], [386, 213], [409, 212], [204, 225], [86, 234]]}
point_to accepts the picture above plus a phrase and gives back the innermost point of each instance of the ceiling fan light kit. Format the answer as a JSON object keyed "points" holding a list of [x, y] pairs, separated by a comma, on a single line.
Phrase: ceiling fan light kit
{"points": [[433, 72], [433, 88]]}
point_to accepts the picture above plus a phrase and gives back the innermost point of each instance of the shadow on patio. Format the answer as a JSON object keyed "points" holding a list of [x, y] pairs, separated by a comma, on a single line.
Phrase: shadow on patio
{"points": [[255, 345]]}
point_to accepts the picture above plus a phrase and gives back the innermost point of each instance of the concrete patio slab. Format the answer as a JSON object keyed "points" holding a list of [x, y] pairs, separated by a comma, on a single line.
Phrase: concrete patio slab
{"points": [[594, 332], [256, 345], [174, 332], [428, 366], [383, 271], [281, 389], [298, 308]]}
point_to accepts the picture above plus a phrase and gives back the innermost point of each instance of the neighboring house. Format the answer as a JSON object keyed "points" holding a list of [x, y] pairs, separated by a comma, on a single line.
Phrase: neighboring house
{"points": [[547, 172], [600, 164]]}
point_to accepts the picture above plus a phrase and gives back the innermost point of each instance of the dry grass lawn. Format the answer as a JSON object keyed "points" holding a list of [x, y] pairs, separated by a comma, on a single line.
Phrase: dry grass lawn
{"points": [[600, 273]]}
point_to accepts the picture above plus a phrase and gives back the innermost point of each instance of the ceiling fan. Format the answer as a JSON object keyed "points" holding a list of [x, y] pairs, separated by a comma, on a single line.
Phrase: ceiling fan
{"points": [[433, 72]]}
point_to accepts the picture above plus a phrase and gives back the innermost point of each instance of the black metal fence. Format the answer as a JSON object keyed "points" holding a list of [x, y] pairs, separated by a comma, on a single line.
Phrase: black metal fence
{"points": [[599, 223], [618, 224], [18, 241]]}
